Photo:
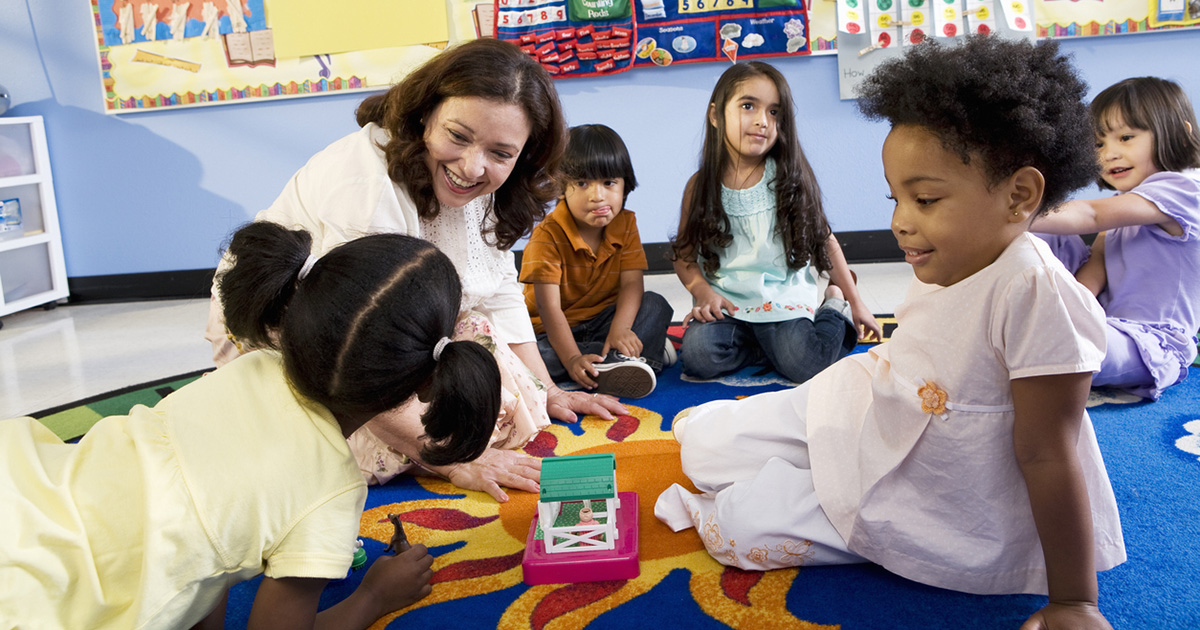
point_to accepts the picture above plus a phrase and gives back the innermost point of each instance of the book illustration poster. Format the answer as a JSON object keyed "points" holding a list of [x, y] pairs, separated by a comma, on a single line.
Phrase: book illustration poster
{"points": [[163, 54], [577, 38]]}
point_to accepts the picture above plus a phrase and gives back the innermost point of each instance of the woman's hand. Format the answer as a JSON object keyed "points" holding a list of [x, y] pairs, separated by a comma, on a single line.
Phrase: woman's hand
{"points": [[1067, 616], [399, 581], [496, 468], [564, 405], [580, 369]]}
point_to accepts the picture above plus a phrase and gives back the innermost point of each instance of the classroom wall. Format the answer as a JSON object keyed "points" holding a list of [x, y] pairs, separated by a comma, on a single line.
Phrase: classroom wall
{"points": [[160, 191]]}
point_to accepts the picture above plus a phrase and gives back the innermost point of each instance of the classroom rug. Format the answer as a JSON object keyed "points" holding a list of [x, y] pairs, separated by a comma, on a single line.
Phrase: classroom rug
{"points": [[1151, 449]]}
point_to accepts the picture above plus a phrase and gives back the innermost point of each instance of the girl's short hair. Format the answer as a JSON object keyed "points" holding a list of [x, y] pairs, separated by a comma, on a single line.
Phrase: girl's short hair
{"points": [[799, 216], [1003, 104], [597, 152], [485, 68], [1156, 105], [357, 333]]}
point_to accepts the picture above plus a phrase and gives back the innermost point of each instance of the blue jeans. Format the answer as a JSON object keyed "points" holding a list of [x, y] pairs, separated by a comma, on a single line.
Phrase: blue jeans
{"points": [[650, 326], [796, 348]]}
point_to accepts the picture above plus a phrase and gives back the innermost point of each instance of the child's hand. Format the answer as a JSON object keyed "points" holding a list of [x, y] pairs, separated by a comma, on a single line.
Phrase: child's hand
{"points": [[580, 369], [1067, 617], [625, 341], [865, 323], [709, 309], [398, 581]]}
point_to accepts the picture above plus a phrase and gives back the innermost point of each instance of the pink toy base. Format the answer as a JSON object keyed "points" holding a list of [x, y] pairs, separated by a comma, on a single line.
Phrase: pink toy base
{"points": [[566, 567]]}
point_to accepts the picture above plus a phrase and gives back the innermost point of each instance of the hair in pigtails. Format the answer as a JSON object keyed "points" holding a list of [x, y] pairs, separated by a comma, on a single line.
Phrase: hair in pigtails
{"points": [[357, 333], [257, 289], [463, 385]]}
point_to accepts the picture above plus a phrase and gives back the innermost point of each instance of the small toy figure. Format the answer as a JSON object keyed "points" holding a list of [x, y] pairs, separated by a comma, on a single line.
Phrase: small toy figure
{"points": [[585, 516], [360, 557], [399, 543]]}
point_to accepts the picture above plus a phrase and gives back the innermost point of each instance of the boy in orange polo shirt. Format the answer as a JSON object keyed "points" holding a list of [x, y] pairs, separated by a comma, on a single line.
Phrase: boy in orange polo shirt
{"points": [[583, 274]]}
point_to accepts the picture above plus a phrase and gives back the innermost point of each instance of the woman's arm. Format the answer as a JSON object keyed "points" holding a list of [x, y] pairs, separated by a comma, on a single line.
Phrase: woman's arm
{"points": [[1049, 411], [839, 276], [491, 472], [1089, 216], [629, 301], [391, 583]]}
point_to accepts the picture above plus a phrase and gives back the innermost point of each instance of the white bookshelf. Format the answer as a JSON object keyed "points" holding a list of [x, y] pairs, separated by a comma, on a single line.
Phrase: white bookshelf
{"points": [[32, 270]]}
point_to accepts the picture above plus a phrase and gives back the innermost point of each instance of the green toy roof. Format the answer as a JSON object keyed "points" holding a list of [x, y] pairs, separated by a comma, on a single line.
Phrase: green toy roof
{"points": [[579, 477]]}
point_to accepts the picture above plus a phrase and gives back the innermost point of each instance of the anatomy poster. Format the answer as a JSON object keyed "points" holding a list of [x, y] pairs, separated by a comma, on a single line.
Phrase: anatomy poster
{"points": [[157, 54]]}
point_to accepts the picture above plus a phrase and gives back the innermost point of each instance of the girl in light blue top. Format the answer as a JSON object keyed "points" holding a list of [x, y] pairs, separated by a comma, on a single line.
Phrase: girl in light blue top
{"points": [[752, 239]]}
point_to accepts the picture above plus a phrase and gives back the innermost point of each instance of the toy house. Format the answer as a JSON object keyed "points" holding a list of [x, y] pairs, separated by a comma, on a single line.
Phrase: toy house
{"points": [[584, 530], [577, 482]]}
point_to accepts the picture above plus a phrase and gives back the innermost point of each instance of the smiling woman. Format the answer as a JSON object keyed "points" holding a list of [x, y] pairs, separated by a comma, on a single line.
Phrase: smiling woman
{"points": [[461, 153]]}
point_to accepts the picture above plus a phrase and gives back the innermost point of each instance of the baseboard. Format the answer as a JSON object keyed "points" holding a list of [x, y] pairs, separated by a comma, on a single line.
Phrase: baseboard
{"points": [[129, 287], [859, 247]]}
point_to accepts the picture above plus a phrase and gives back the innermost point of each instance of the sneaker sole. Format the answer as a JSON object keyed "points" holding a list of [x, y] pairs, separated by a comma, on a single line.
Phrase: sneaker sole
{"points": [[630, 379]]}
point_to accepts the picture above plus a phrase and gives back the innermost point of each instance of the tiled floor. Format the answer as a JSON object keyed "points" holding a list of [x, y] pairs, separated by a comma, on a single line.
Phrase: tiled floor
{"points": [[50, 358]]}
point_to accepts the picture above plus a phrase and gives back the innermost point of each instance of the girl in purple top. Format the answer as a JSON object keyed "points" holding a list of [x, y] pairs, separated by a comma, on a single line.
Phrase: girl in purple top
{"points": [[1144, 266]]}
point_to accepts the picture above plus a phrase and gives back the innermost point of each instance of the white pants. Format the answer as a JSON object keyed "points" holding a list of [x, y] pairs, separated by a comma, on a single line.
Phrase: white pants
{"points": [[758, 509]]}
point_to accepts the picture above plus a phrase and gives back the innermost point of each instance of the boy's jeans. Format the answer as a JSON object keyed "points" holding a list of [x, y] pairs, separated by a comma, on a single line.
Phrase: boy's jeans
{"points": [[650, 326]]}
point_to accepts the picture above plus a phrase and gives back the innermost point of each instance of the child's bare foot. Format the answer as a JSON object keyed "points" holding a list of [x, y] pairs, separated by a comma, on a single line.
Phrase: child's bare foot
{"points": [[834, 292]]}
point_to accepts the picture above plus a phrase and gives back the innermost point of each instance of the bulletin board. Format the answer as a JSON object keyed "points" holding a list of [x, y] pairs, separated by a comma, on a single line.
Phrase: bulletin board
{"points": [[579, 38], [161, 54], [1083, 18]]}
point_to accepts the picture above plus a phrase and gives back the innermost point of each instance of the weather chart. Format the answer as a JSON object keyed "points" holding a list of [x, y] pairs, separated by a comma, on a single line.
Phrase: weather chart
{"points": [[598, 37]]}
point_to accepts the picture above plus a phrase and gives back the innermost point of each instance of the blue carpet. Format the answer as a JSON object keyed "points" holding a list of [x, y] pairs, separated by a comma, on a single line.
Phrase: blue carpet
{"points": [[1153, 460]]}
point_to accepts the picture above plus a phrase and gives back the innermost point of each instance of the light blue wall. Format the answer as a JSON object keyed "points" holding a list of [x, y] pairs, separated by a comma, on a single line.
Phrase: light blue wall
{"points": [[160, 191]]}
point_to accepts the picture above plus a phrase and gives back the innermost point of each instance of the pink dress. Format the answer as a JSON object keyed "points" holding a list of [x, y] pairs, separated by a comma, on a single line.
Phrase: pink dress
{"points": [[903, 455], [522, 408]]}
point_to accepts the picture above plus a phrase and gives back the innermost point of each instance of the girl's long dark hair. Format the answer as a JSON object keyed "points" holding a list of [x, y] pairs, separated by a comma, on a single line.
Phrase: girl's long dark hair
{"points": [[357, 333], [490, 69], [799, 217]]}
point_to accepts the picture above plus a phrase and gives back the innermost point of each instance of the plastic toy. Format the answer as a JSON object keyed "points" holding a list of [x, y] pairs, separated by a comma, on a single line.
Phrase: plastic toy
{"points": [[572, 539], [360, 556], [399, 543]]}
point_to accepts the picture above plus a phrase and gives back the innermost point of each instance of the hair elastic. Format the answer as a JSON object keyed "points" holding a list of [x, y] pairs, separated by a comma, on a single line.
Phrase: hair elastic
{"points": [[441, 345], [306, 267]]}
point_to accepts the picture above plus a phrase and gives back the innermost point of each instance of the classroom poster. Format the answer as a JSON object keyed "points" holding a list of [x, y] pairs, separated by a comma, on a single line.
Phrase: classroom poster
{"points": [[1083, 18], [574, 38], [156, 54], [873, 31]]}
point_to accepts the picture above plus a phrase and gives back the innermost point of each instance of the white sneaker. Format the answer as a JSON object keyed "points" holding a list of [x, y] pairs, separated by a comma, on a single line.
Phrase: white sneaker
{"points": [[669, 355], [624, 377]]}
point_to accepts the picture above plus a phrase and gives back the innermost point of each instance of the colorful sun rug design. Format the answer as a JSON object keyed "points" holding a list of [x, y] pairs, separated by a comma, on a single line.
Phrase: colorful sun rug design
{"points": [[1150, 449]]}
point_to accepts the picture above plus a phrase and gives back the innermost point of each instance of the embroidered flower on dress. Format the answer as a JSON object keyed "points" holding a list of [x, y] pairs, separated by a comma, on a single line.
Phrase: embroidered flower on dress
{"points": [[933, 398]]}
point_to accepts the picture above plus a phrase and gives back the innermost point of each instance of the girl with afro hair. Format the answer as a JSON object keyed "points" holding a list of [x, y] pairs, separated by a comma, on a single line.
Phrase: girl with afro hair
{"points": [[959, 453]]}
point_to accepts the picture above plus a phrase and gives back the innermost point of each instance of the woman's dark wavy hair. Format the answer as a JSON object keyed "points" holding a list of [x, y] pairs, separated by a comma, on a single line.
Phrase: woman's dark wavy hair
{"points": [[1156, 105], [596, 152], [799, 217], [484, 68], [357, 333], [1005, 104]]}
